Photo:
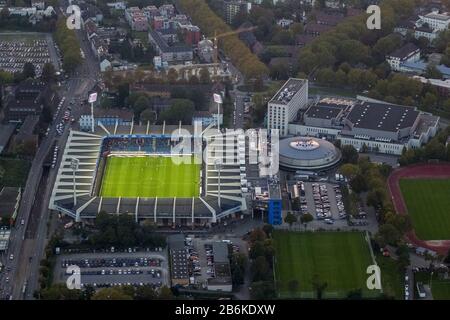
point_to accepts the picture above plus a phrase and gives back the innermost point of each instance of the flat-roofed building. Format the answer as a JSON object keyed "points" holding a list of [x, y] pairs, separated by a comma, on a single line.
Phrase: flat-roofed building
{"points": [[436, 20], [178, 260], [377, 125], [285, 104]]}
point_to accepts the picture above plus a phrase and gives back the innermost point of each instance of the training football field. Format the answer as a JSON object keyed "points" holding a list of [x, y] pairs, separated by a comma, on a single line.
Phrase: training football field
{"points": [[150, 177], [428, 204], [339, 259]]}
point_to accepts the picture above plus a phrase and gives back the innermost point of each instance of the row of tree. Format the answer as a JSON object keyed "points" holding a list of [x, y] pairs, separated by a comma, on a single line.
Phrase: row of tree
{"points": [[147, 292], [366, 177], [233, 47], [261, 256], [69, 46]]}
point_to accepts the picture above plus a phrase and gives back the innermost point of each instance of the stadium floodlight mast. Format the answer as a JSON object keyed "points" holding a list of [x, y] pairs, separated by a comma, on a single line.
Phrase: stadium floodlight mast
{"points": [[92, 98], [74, 164], [218, 167], [218, 99]]}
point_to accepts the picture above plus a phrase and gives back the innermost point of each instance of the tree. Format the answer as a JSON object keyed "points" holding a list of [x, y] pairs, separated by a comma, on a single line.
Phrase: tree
{"points": [[306, 218], [148, 115], [290, 218], [204, 76], [349, 170], [48, 73], [403, 257], [349, 154], [141, 104], [257, 235], [293, 286], [262, 290], [113, 293], [319, 286], [180, 110], [172, 75], [326, 76], [59, 292], [387, 234], [268, 229], [28, 70], [165, 293], [432, 72], [447, 259], [358, 183], [260, 269]]}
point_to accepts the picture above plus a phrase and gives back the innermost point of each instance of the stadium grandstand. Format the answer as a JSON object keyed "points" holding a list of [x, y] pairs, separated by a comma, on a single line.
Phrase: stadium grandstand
{"points": [[133, 170]]}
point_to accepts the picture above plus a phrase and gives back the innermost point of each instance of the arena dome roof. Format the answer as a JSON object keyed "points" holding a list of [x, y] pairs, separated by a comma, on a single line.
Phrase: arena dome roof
{"points": [[308, 153]]}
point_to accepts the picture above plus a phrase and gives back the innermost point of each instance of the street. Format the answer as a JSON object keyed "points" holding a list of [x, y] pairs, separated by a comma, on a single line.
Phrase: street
{"points": [[27, 249]]}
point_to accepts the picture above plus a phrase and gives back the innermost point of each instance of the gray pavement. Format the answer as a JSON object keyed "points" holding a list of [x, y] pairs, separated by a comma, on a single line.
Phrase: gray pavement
{"points": [[117, 275]]}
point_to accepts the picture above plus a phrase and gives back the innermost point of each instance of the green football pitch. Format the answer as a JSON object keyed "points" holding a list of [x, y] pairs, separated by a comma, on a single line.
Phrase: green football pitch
{"points": [[150, 177], [339, 259], [428, 203]]}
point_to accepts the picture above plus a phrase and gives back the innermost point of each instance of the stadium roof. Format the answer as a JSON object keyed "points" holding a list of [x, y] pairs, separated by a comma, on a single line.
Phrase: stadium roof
{"points": [[86, 147], [384, 117]]}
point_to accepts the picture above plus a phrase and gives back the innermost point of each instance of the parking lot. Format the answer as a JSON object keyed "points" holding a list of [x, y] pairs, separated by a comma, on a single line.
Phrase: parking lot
{"points": [[115, 269], [201, 257], [324, 201], [16, 50]]}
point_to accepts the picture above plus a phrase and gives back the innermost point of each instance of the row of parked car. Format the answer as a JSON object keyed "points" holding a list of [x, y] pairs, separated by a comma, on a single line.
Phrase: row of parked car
{"points": [[321, 201], [114, 262], [154, 273], [195, 268], [154, 285], [210, 260], [55, 156], [339, 202]]}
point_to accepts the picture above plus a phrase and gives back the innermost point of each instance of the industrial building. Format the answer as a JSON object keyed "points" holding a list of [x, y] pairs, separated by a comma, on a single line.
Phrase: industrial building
{"points": [[379, 126]]}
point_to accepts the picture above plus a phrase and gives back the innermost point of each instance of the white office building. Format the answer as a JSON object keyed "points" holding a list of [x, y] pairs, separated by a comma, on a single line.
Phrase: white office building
{"points": [[436, 21], [286, 103]]}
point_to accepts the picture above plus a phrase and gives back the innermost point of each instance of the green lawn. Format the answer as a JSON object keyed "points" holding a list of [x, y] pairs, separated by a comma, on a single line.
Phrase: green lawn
{"points": [[428, 204], [338, 258], [440, 288], [150, 176]]}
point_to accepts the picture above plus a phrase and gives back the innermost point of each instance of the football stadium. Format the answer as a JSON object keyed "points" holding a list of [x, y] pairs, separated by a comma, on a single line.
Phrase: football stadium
{"points": [[136, 170]]}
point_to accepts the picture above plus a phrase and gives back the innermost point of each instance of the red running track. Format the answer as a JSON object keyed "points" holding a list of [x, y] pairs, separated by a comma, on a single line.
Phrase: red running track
{"points": [[435, 171]]}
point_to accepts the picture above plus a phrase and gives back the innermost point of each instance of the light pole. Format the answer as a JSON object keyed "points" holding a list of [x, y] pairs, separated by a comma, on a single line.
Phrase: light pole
{"points": [[91, 99], [74, 164], [218, 99], [218, 167]]}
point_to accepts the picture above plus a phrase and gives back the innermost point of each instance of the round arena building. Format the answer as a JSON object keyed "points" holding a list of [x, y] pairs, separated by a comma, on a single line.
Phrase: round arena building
{"points": [[308, 153]]}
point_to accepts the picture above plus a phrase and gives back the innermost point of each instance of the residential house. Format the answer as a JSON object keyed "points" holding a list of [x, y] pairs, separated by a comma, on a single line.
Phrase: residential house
{"points": [[407, 53]]}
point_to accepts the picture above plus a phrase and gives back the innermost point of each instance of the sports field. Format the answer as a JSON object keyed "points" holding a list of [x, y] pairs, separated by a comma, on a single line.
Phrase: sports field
{"points": [[150, 177], [338, 258], [428, 203]]}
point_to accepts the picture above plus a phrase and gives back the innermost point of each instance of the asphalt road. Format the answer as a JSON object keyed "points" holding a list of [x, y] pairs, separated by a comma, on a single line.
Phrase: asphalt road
{"points": [[21, 270]]}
